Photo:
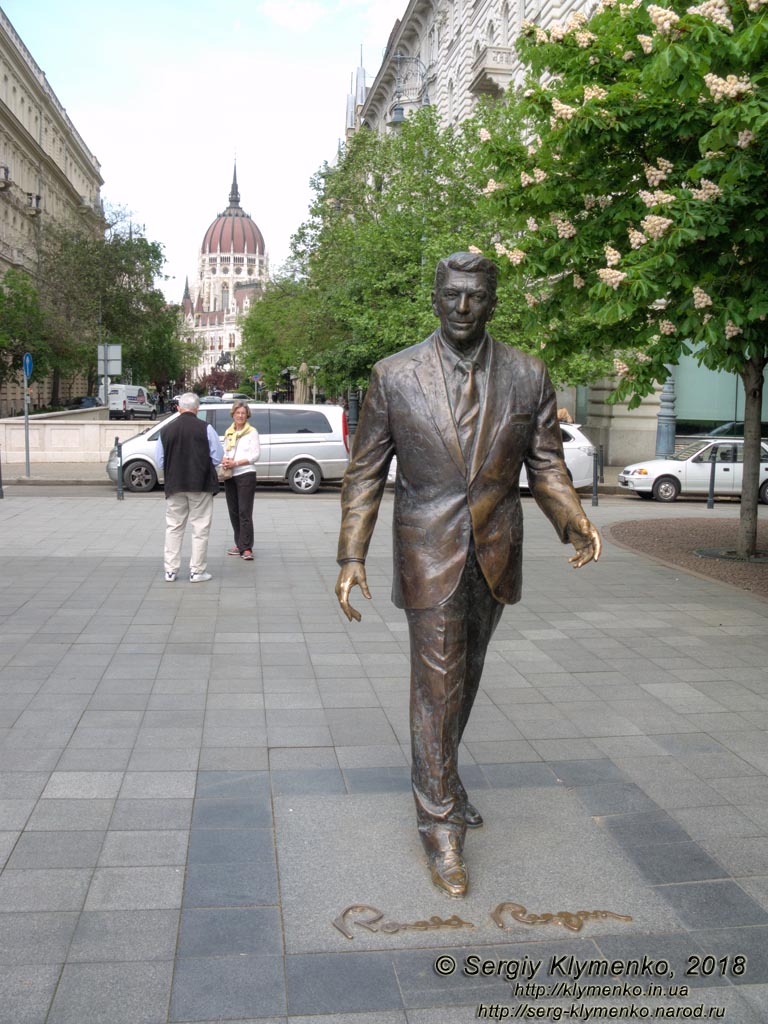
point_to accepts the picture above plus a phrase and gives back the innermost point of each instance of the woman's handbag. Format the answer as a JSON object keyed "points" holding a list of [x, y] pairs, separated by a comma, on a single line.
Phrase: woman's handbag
{"points": [[226, 474]]}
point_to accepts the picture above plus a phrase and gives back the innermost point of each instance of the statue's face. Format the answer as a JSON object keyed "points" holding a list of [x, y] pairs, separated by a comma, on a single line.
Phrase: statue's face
{"points": [[464, 306]]}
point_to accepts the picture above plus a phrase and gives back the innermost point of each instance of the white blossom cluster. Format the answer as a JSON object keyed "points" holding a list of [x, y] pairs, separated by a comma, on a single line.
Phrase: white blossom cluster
{"points": [[565, 228], [557, 31], [746, 137], [532, 300], [727, 88], [656, 198], [515, 256], [532, 225], [700, 298], [732, 329], [716, 11], [578, 282], [667, 327], [663, 19], [655, 175], [629, 55], [612, 278], [541, 35], [525, 179], [539, 175], [706, 318], [584, 39], [712, 154], [492, 186], [589, 202], [594, 92], [636, 238], [576, 20], [485, 135], [655, 226], [474, 249], [646, 42], [755, 5], [708, 190], [625, 8], [612, 256], [604, 201], [620, 367], [562, 110], [532, 150]]}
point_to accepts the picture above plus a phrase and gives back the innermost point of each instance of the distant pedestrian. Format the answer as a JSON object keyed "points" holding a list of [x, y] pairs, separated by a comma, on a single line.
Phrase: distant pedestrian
{"points": [[241, 453], [188, 450]]}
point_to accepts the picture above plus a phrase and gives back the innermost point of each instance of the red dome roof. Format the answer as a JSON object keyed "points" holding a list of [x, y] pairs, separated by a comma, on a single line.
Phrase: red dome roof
{"points": [[233, 230]]}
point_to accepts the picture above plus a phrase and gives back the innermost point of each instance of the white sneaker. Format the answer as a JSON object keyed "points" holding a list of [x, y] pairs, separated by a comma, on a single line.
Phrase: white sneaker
{"points": [[200, 577], [170, 577]]}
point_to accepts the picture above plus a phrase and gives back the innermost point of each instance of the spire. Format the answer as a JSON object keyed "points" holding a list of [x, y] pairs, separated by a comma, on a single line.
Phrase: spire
{"points": [[186, 289], [234, 194]]}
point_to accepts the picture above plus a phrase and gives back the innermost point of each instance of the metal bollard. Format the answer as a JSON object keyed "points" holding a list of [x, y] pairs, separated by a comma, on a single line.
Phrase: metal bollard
{"points": [[595, 474], [711, 495], [119, 447]]}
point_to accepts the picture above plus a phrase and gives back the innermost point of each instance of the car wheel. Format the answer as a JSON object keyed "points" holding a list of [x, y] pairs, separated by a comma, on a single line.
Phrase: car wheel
{"points": [[131, 415], [153, 414], [304, 478], [763, 493], [666, 489], [139, 476]]}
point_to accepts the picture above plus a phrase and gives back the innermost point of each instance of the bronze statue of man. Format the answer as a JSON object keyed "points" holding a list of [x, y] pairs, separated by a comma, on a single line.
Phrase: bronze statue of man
{"points": [[463, 413]]}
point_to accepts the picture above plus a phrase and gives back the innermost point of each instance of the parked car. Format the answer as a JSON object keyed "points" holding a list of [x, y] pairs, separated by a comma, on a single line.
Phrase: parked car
{"points": [[84, 402], [231, 396], [689, 470], [129, 401], [578, 451], [303, 445]]}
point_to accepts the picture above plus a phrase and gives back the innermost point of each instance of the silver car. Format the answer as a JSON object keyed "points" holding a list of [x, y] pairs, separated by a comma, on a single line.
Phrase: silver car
{"points": [[689, 471], [302, 445]]}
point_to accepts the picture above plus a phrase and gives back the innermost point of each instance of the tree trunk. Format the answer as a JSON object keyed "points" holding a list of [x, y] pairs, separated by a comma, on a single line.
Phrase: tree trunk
{"points": [[55, 386], [753, 403]]}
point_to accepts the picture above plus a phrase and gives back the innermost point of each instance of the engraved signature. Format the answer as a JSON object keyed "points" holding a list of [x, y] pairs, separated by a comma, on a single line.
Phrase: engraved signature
{"points": [[373, 920], [574, 921]]}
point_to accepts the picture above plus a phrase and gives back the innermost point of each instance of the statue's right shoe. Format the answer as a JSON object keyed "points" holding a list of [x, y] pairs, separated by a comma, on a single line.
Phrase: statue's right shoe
{"points": [[472, 817], [449, 873]]}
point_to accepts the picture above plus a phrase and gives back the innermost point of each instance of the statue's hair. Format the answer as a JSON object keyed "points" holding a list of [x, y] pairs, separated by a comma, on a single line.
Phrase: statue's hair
{"points": [[470, 263], [189, 401]]}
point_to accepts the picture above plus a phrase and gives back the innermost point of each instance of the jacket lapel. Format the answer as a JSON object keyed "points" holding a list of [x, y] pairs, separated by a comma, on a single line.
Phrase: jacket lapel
{"points": [[499, 386], [429, 373]]}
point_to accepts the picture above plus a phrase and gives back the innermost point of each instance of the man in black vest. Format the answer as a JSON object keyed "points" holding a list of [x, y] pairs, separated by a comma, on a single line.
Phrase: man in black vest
{"points": [[189, 451]]}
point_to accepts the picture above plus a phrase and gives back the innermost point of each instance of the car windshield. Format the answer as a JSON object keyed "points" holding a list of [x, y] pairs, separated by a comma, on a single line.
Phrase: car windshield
{"points": [[688, 452]]}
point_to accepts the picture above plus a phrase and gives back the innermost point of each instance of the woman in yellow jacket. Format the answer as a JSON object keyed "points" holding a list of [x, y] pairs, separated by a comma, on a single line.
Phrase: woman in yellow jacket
{"points": [[241, 453]]}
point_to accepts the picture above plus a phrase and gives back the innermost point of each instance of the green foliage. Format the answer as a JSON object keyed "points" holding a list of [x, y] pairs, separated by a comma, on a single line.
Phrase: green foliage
{"points": [[633, 198], [22, 327]]}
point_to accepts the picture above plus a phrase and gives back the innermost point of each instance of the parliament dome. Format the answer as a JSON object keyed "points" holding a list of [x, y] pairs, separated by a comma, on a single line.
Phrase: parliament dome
{"points": [[233, 231]]}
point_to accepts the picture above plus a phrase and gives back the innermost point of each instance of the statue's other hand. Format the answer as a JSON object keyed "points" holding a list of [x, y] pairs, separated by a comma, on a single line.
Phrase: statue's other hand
{"points": [[352, 574], [586, 540]]}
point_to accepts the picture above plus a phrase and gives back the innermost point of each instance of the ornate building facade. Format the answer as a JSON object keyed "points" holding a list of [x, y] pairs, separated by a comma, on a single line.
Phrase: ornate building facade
{"points": [[46, 170], [232, 269]]}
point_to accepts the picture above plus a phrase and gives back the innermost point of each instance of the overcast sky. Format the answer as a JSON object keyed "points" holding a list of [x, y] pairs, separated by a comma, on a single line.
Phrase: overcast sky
{"points": [[166, 94]]}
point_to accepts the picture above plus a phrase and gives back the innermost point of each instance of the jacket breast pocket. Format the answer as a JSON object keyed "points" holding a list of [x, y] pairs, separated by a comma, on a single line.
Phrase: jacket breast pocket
{"points": [[519, 418]]}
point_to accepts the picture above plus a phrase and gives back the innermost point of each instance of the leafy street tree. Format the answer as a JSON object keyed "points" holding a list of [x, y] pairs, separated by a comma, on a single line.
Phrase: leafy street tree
{"points": [[630, 183], [97, 290], [22, 327]]}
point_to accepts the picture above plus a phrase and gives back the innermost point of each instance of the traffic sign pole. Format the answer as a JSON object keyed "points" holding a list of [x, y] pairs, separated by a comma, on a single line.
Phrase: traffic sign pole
{"points": [[27, 371]]}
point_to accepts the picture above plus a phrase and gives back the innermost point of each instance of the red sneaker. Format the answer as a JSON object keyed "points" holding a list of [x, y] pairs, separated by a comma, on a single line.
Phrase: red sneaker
{"points": [[247, 555]]}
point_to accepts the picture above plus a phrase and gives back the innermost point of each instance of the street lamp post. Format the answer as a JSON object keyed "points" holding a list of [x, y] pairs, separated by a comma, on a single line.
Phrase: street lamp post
{"points": [[399, 59]]}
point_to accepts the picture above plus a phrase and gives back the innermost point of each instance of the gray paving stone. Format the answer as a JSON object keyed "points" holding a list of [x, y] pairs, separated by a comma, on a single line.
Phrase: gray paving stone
{"points": [[134, 888], [230, 931], [36, 937], [83, 785], [239, 884], [715, 904], [341, 983], [151, 814], [119, 993], [150, 785], [48, 889], [233, 758], [26, 991], [14, 814], [72, 849], [103, 935], [228, 987], [230, 846], [144, 848]]}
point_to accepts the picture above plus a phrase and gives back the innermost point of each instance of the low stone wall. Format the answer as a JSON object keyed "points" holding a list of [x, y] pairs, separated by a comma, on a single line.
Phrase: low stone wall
{"points": [[82, 436]]}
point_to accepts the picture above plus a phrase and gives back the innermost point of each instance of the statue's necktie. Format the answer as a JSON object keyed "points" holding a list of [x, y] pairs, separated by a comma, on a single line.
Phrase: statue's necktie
{"points": [[467, 405]]}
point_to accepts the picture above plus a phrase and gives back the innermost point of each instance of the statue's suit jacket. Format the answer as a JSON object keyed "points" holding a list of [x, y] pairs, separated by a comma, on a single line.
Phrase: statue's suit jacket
{"points": [[440, 502]]}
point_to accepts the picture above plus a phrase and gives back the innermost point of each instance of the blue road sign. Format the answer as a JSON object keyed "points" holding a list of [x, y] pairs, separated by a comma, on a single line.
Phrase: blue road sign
{"points": [[27, 364]]}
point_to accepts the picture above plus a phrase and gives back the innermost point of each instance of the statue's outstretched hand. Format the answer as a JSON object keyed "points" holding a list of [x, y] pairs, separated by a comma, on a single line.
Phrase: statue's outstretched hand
{"points": [[586, 540], [352, 574]]}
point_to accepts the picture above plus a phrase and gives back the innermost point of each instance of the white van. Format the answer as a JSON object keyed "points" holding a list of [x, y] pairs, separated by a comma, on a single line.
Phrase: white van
{"points": [[301, 445], [130, 401]]}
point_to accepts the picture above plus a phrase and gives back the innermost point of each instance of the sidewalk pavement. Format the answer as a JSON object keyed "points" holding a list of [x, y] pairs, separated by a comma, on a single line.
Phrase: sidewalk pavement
{"points": [[195, 781]]}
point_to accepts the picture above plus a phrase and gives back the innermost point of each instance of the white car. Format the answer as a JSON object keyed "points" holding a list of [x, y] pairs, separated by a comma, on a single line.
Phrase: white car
{"points": [[689, 470], [579, 458]]}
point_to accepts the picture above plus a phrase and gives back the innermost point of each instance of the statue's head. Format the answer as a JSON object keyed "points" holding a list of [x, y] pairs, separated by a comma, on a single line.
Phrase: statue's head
{"points": [[470, 263]]}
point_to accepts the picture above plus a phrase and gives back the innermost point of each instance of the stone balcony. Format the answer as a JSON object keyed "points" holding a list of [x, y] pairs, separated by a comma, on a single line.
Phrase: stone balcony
{"points": [[494, 71]]}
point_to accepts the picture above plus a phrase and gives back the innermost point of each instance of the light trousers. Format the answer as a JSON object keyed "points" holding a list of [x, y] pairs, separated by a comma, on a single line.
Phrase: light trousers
{"points": [[195, 507]]}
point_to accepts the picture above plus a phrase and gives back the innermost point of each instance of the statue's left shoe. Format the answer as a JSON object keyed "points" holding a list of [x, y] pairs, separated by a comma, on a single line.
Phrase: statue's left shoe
{"points": [[449, 873], [472, 817]]}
